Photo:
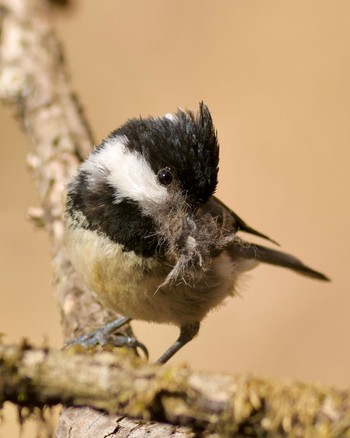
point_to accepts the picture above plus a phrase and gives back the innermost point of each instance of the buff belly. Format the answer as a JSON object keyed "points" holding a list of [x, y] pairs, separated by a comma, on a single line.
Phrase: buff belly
{"points": [[129, 284]]}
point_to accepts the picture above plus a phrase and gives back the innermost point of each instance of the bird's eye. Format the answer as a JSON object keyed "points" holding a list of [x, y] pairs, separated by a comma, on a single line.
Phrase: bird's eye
{"points": [[165, 177]]}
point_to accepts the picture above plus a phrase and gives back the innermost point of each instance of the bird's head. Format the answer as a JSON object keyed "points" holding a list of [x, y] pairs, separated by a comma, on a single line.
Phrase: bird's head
{"points": [[143, 185], [149, 160]]}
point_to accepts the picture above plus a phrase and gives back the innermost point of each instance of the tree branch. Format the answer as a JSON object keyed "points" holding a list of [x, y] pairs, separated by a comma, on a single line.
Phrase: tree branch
{"points": [[115, 383], [34, 85]]}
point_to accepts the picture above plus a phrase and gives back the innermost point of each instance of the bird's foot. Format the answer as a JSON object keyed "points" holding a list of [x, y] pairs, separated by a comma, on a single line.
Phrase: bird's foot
{"points": [[108, 335]]}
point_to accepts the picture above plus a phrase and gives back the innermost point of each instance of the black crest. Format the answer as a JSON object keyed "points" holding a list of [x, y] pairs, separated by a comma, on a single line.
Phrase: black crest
{"points": [[185, 142]]}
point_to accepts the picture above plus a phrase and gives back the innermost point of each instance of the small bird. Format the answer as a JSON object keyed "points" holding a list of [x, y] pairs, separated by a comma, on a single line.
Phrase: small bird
{"points": [[146, 233]]}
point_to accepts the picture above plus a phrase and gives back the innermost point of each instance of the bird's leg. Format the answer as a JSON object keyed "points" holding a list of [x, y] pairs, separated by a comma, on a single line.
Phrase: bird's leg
{"points": [[187, 333], [107, 335]]}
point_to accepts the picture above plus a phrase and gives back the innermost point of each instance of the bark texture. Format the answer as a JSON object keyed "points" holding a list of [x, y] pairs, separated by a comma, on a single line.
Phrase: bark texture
{"points": [[35, 87], [116, 383]]}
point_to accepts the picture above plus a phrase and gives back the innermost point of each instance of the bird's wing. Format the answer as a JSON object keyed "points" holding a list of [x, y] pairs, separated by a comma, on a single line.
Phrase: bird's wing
{"points": [[230, 221]]}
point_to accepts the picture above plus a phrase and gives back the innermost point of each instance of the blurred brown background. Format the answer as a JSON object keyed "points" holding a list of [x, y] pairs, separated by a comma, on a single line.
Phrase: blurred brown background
{"points": [[275, 76]]}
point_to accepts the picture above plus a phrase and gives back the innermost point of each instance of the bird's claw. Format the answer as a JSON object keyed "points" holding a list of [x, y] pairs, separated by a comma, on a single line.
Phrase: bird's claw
{"points": [[106, 335]]}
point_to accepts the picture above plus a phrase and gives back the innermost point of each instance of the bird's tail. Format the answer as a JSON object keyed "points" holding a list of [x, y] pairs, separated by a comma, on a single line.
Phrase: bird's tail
{"points": [[274, 257]]}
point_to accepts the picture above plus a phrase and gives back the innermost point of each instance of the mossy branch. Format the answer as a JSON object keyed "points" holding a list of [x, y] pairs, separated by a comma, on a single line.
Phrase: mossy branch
{"points": [[115, 383]]}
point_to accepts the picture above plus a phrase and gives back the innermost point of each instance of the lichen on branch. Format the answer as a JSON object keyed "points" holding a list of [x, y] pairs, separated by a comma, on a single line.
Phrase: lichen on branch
{"points": [[116, 383]]}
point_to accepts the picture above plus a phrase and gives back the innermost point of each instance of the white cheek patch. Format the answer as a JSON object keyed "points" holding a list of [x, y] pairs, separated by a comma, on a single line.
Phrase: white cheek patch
{"points": [[129, 172]]}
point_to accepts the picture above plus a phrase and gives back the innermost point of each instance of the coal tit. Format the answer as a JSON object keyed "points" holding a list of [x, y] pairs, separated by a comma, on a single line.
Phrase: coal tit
{"points": [[147, 235]]}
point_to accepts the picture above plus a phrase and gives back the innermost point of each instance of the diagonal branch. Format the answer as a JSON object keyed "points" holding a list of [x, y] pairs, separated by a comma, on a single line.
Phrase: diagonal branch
{"points": [[34, 85]]}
